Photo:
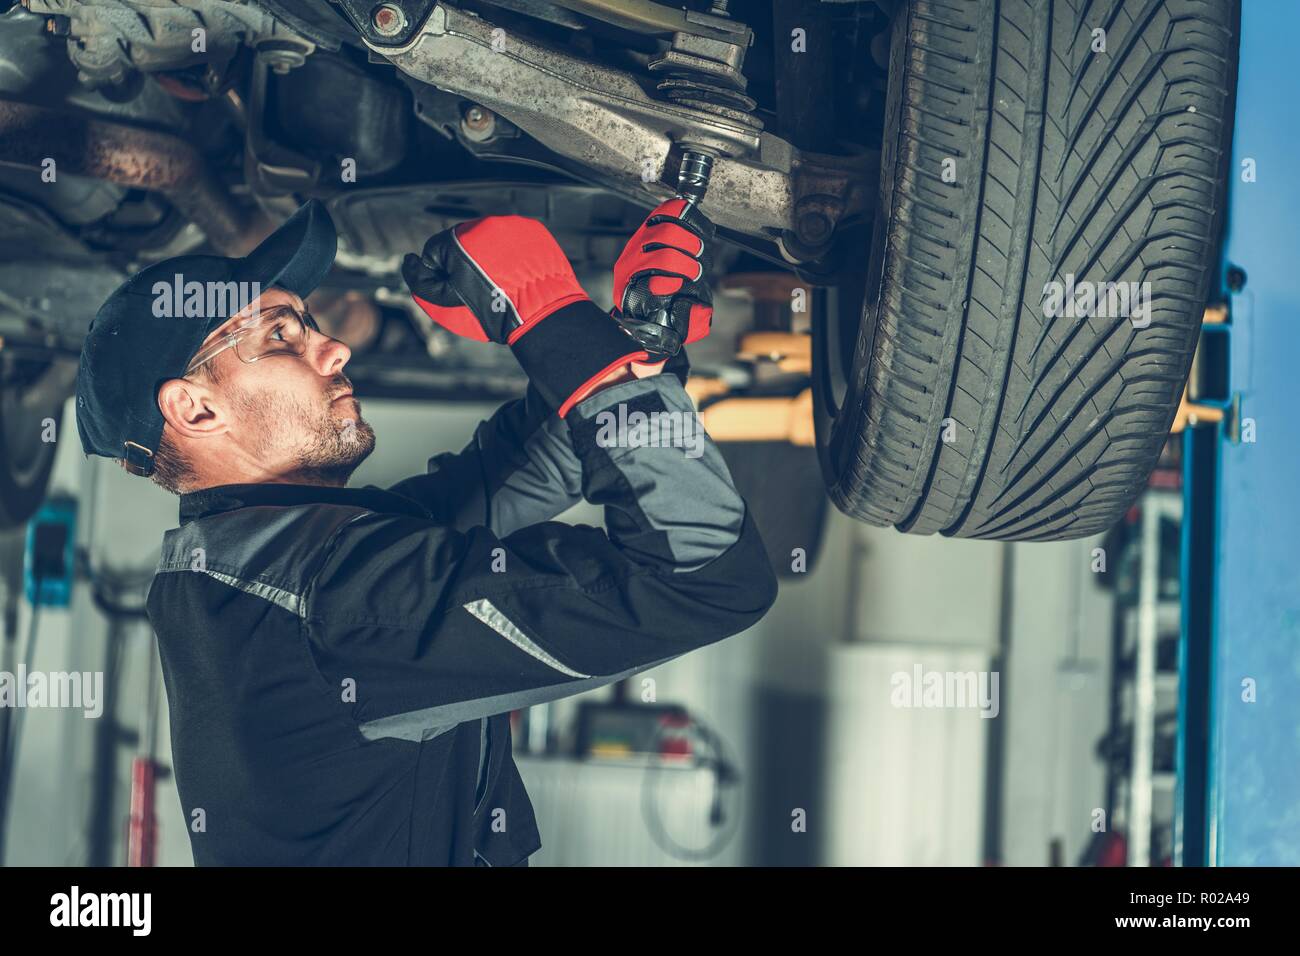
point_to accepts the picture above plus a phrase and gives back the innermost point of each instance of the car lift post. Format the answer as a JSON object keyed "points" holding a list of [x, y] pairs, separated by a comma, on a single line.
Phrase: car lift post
{"points": [[1239, 753]]}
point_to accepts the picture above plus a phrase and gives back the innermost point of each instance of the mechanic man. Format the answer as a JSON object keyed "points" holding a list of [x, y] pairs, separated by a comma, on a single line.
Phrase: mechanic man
{"points": [[341, 662]]}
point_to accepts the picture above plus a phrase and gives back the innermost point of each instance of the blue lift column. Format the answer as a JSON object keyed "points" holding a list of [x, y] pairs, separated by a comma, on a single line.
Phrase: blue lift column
{"points": [[1239, 758]]}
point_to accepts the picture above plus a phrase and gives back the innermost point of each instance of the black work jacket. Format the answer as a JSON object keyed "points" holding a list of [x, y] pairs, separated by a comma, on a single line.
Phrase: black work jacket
{"points": [[340, 663]]}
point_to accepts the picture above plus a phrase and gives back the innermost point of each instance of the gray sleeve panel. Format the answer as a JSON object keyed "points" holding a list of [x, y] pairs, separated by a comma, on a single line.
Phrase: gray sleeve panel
{"points": [[549, 483], [649, 433]]}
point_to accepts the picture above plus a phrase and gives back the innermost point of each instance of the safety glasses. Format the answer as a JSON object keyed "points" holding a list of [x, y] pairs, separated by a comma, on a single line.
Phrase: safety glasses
{"points": [[281, 330]]}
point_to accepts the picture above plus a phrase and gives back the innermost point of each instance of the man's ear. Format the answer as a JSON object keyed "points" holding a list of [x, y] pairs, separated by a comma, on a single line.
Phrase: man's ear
{"points": [[189, 409]]}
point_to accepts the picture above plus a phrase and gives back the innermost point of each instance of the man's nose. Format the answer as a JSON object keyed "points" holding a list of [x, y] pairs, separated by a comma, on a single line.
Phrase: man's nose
{"points": [[331, 355]]}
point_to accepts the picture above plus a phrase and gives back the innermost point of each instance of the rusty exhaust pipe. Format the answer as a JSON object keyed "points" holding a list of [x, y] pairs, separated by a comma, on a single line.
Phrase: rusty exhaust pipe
{"points": [[84, 145]]}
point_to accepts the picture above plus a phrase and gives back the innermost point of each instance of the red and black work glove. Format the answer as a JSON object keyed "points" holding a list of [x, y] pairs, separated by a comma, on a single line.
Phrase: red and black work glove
{"points": [[661, 292], [505, 279]]}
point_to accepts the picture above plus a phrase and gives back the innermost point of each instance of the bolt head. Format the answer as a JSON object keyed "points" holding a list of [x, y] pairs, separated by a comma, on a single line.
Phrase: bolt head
{"points": [[388, 19], [478, 123], [814, 227]]}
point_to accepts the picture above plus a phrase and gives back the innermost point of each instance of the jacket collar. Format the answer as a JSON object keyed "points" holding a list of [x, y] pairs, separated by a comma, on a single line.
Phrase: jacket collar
{"points": [[209, 501]]}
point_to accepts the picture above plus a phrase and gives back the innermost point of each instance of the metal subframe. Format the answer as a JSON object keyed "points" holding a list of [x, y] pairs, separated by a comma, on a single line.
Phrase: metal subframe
{"points": [[602, 117]]}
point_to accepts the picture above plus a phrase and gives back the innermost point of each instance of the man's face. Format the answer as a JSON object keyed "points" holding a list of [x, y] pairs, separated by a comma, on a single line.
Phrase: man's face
{"points": [[292, 415]]}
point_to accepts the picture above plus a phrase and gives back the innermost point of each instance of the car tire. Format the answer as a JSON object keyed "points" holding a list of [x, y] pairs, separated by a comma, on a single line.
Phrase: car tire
{"points": [[26, 459], [961, 398]]}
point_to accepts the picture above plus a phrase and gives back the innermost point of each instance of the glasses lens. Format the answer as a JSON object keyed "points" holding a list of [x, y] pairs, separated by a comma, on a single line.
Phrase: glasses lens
{"points": [[283, 331]]}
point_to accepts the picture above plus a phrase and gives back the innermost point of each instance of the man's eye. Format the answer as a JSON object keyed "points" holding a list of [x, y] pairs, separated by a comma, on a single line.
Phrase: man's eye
{"points": [[277, 332]]}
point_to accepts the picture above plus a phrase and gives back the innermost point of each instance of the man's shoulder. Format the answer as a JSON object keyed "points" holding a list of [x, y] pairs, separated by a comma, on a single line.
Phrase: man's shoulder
{"points": [[270, 552], [299, 547], [255, 535]]}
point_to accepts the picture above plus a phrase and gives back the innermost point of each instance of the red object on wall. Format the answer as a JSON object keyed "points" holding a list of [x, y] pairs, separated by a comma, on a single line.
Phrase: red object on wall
{"points": [[142, 843]]}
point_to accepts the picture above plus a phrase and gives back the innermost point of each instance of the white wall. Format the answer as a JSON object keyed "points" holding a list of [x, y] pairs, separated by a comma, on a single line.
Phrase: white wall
{"points": [[906, 784], [1058, 685]]}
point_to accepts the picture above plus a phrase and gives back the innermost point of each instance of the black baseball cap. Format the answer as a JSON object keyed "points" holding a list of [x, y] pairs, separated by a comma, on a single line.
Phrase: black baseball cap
{"points": [[144, 333]]}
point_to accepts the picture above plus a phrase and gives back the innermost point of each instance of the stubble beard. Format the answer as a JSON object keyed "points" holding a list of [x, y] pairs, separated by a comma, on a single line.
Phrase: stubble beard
{"points": [[336, 444]]}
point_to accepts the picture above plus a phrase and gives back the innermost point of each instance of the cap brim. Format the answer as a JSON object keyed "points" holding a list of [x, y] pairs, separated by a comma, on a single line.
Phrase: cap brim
{"points": [[298, 255]]}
